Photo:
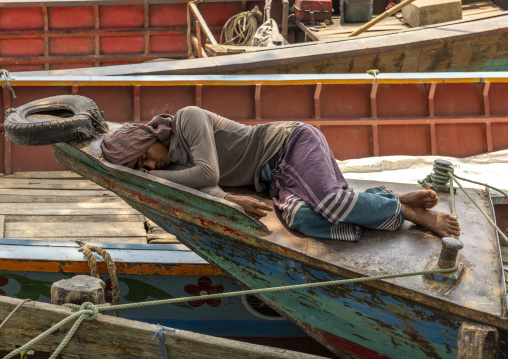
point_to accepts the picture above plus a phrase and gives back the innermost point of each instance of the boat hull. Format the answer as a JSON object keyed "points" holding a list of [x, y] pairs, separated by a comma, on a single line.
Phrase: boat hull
{"points": [[151, 272], [457, 115], [354, 320], [478, 45]]}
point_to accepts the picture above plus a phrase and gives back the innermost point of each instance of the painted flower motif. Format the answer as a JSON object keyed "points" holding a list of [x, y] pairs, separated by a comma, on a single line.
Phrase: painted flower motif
{"points": [[204, 287], [3, 281]]}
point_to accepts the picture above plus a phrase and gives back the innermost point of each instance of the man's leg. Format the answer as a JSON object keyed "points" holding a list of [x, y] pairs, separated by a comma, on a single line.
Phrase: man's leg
{"points": [[443, 224], [308, 171], [422, 198]]}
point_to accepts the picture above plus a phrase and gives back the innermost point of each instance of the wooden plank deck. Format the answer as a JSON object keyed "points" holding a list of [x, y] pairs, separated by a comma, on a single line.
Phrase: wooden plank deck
{"points": [[393, 23], [63, 206]]}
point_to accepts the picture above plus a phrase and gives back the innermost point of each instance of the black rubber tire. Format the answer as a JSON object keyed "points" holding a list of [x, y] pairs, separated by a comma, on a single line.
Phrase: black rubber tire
{"points": [[64, 118]]}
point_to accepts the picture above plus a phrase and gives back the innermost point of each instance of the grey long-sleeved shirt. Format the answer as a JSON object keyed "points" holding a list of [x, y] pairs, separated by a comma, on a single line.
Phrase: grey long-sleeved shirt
{"points": [[208, 151]]}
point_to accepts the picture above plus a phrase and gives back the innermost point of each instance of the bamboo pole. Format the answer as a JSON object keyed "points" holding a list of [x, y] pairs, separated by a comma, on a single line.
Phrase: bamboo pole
{"points": [[384, 15]]}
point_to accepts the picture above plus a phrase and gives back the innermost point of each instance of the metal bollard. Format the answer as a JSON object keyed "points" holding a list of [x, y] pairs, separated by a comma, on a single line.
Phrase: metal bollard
{"points": [[449, 251]]}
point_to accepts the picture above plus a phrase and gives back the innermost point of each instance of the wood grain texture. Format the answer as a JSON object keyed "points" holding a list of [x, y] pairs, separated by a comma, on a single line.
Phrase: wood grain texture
{"points": [[41, 183], [63, 206], [19, 230], [108, 337]]}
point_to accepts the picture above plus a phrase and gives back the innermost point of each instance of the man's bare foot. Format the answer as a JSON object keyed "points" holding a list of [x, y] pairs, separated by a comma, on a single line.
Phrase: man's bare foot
{"points": [[422, 198], [443, 224]]}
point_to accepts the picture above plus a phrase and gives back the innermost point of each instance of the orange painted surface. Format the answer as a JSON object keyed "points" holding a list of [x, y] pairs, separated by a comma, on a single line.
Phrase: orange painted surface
{"points": [[121, 268]]}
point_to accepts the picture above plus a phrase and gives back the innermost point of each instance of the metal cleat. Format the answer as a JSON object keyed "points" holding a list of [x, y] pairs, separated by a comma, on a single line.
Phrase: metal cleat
{"points": [[447, 259]]}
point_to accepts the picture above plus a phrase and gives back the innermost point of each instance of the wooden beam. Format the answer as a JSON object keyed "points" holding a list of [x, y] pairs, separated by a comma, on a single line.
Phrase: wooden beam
{"points": [[306, 30], [59, 193], [20, 230], [7, 143], [285, 16], [48, 184], [202, 23], [477, 341], [110, 337], [66, 209]]}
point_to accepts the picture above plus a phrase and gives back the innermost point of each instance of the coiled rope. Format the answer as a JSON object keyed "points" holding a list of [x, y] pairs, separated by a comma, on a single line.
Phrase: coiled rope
{"points": [[444, 175], [88, 311], [240, 29]]}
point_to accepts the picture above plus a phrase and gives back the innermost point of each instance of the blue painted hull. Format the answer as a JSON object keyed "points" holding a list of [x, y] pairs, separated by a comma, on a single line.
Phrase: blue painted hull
{"points": [[388, 325], [355, 320]]}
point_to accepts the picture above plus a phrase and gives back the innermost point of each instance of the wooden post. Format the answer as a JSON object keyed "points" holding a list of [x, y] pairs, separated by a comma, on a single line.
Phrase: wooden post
{"points": [[384, 15], [477, 341], [77, 290]]}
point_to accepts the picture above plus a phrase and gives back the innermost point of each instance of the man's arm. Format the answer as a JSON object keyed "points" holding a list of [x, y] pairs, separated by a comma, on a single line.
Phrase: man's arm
{"points": [[197, 130], [252, 206]]}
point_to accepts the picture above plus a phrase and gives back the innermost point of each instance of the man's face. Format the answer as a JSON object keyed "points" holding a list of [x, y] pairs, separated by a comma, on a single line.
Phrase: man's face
{"points": [[155, 158]]}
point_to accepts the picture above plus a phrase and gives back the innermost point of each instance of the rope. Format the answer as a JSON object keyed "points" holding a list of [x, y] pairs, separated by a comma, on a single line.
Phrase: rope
{"points": [[190, 55], [5, 74], [12, 313], [444, 175], [88, 311], [240, 29], [374, 72], [87, 250], [162, 348]]}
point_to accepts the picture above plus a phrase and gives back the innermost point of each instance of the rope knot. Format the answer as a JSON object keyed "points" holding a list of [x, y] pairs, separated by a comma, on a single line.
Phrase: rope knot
{"points": [[7, 77], [374, 72], [86, 307]]}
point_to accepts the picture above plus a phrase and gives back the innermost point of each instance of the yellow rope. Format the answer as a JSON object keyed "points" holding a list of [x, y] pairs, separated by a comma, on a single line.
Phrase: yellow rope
{"points": [[87, 250], [240, 29]]}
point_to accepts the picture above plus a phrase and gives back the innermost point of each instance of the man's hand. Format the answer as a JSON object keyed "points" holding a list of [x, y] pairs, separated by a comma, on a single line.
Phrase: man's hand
{"points": [[252, 206]]}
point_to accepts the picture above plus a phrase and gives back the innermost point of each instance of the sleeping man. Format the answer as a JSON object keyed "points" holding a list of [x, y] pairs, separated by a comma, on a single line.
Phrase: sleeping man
{"points": [[203, 150]]}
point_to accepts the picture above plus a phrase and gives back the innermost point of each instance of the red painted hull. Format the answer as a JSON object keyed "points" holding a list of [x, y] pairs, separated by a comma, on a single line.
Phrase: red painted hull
{"points": [[78, 33]]}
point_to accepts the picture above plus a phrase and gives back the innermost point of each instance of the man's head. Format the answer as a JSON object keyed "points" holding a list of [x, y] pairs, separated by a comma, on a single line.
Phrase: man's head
{"points": [[155, 158], [133, 141]]}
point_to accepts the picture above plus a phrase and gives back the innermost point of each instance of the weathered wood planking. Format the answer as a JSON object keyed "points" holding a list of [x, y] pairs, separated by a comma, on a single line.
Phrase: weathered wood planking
{"points": [[393, 23], [28, 230], [59, 193], [110, 337], [37, 183], [45, 175], [59, 199], [85, 218], [64, 206], [59, 209], [71, 238], [2, 226]]}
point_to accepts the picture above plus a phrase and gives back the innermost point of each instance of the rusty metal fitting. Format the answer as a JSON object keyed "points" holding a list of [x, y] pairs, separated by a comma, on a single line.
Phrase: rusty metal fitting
{"points": [[449, 251]]}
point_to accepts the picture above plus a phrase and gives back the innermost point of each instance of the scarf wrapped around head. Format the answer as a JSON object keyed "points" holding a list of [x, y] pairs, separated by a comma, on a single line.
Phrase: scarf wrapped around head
{"points": [[125, 145]]}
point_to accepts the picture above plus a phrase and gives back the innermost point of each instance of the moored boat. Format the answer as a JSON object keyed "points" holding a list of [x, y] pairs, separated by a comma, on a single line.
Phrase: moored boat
{"points": [[456, 115], [418, 316], [475, 43], [111, 337]]}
